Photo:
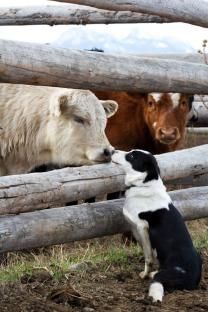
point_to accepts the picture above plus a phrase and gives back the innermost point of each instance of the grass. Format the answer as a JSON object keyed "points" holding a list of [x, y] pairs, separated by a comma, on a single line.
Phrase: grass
{"points": [[58, 259], [201, 242]]}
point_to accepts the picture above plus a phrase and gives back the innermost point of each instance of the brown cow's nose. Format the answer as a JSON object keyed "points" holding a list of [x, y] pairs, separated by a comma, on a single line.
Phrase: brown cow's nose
{"points": [[168, 134]]}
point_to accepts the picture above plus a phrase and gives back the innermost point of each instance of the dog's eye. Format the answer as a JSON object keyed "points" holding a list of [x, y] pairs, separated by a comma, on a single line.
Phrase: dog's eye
{"points": [[131, 156]]}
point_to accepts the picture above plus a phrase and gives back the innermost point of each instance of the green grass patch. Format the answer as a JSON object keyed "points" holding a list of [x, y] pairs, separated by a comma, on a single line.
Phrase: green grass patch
{"points": [[105, 253], [58, 259]]}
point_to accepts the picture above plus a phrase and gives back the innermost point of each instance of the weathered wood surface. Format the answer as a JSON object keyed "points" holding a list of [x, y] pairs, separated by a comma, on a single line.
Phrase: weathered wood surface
{"points": [[65, 15], [185, 57], [187, 11], [200, 112], [200, 98], [29, 192], [44, 65], [202, 130], [66, 224]]}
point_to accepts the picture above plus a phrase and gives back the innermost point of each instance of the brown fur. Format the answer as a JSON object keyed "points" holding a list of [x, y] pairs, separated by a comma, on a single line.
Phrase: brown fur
{"points": [[133, 126]]}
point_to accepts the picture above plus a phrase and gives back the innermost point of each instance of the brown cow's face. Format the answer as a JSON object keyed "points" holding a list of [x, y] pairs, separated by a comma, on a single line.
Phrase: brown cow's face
{"points": [[166, 115]]}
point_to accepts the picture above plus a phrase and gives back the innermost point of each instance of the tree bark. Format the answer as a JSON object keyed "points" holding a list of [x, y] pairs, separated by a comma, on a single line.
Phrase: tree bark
{"points": [[66, 224], [29, 192], [43, 65], [65, 15], [186, 11]]}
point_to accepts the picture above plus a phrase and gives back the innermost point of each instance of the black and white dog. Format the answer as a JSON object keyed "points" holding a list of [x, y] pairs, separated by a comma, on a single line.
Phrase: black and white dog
{"points": [[157, 225]]}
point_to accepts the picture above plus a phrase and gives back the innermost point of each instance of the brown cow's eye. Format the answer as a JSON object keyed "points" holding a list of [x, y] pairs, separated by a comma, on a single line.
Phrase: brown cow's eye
{"points": [[79, 120], [151, 104], [183, 103]]}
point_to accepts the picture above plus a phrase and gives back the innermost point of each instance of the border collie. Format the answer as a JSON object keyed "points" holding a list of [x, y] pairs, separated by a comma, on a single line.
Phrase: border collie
{"points": [[157, 226]]}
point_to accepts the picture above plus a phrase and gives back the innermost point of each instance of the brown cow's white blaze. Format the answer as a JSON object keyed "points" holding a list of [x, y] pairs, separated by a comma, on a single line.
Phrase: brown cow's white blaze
{"points": [[52, 125]]}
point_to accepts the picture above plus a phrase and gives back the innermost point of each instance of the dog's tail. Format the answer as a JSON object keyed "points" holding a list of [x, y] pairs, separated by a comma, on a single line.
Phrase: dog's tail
{"points": [[167, 279]]}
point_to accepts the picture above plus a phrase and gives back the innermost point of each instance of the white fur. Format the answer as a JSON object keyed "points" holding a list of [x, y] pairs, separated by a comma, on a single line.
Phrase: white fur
{"points": [[179, 269], [174, 96], [39, 127], [156, 292], [156, 96], [148, 196], [175, 99], [142, 197]]}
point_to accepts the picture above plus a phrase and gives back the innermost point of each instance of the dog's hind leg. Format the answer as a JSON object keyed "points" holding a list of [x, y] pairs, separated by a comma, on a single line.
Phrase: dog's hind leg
{"points": [[142, 234], [168, 279], [156, 292]]}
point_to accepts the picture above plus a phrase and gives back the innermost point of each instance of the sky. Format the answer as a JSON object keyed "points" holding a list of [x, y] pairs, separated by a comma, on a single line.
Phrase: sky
{"points": [[124, 37]]}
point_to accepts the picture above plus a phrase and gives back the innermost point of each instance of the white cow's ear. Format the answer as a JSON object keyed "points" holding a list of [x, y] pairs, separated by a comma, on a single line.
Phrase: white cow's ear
{"points": [[59, 104], [110, 107]]}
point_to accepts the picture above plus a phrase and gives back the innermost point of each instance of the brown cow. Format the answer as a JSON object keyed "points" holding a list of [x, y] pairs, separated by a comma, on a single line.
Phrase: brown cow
{"points": [[153, 122]]}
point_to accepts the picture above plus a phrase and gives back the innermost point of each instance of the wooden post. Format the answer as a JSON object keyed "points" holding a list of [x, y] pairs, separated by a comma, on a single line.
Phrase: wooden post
{"points": [[65, 15], [44, 65], [29, 192], [186, 11], [66, 224]]}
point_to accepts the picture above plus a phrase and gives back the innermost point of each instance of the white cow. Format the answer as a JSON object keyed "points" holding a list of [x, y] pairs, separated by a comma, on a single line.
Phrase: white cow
{"points": [[51, 125]]}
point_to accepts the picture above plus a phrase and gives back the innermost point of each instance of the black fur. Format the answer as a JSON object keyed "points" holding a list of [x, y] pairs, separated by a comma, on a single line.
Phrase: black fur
{"points": [[190, 103], [44, 168], [143, 162], [180, 264]]}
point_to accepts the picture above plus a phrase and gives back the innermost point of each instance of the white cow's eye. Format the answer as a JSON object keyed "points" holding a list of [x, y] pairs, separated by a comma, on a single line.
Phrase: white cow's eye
{"points": [[79, 120]]}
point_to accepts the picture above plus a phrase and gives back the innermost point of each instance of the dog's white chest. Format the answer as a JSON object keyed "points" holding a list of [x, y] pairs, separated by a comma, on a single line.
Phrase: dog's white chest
{"points": [[131, 212]]}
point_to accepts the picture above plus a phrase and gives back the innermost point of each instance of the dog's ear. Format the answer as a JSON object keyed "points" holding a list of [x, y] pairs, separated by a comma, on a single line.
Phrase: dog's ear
{"points": [[153, 170]]}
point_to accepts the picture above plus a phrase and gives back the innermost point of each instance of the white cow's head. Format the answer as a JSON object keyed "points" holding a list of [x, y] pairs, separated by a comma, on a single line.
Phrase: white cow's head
{"points": [[76, 127]]}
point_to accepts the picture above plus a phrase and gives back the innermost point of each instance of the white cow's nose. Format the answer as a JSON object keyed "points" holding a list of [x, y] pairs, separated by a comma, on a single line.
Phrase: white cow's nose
{"points": [[107, 154]]}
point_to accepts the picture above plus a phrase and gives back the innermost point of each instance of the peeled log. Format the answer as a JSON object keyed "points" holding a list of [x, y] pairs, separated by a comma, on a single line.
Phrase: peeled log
{"points": [[44, 65], [200, 110], [186, 11], [67, 224], [29, 192], [192, 180], [184, 57], [67, 15]]}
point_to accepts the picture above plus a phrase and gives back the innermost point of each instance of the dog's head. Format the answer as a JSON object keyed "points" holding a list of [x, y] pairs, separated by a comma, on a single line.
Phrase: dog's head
{"points": [[138, 164]]}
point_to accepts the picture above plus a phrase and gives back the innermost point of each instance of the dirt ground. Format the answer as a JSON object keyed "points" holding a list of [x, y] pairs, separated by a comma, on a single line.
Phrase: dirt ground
{"points": [[117, 289]]}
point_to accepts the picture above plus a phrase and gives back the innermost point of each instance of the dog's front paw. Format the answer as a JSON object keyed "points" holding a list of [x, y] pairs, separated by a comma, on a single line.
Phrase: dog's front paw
{"points": [[143, 275], [152, 274]]}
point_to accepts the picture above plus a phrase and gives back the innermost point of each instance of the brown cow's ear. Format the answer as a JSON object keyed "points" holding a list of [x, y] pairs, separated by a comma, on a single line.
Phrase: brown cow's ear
{"points": [[110, 107]]}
